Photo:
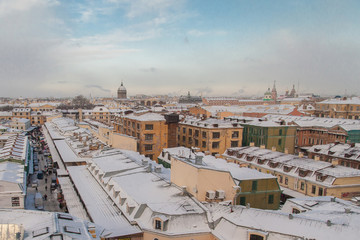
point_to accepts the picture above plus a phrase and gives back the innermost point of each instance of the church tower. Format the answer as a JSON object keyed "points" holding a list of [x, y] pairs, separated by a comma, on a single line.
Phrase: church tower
{"points": [[273, 92], [121, 93]]}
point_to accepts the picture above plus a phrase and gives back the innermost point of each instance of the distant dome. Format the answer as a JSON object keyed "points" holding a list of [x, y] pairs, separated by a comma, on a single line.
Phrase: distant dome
{"points": [[122, 87], [121, 92]]}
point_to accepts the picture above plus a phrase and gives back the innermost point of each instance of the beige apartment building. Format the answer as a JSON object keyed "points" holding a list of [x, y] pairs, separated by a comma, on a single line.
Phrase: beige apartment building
{"points": [[347, 108], [210, 135], [213, 180]]}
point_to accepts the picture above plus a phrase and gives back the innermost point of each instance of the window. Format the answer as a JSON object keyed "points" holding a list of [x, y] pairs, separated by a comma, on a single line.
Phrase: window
{"points": [[216, 135], [158, 224], [15, 201], [254, 186], [184, 139], [215, 144], [149, 127], [133, 125], [196, 133], [256, 237], [190, 131], [280, 179], [279, 141], [190, 140], [148, 147], [196, 143], [271, 199], [313, 189], [280, 132], [138, 126], [151, 156], [204, 134], [235, 134], [286, 181], [204, 144], [234, 143], [184, 130], [149, 137], [242, 201], [302, 185], [296, 211], [321, 191]]}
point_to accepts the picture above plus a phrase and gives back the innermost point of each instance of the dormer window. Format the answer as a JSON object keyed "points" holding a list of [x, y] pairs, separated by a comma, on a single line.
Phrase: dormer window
{"points": [[287, 169], [160, 222]]}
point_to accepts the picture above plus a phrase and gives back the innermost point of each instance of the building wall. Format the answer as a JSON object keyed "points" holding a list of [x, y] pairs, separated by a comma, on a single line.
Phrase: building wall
{"points": [[281, 137], [11, 196], [203, 138], [259, 198]]}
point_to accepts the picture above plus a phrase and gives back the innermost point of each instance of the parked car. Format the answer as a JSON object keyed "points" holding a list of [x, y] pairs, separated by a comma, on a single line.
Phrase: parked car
{"points": [[35, 183], [40, 175]]}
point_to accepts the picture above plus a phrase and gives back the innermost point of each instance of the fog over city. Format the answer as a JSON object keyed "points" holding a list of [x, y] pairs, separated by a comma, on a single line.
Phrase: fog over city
{"points": [[51, 48]]}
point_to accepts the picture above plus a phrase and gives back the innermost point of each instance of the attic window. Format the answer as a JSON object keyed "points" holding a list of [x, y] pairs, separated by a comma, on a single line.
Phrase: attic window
{"points": [[40, 232], [72, 230]]}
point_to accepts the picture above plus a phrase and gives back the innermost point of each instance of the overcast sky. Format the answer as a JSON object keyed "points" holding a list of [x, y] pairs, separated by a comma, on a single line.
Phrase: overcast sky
{"points": [[60, 48]]}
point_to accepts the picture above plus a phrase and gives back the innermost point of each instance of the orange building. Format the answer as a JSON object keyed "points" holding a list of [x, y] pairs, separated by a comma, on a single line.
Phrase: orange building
{"points": [[153, 131], [210, 135]]}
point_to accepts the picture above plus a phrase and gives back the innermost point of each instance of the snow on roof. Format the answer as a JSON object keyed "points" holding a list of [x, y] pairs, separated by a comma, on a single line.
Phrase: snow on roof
{"points": [[146, 117], [12, 172], [314, 121], [66, 152], [211, 162], [39, 225], [209, 123], [73, 202], [278, 225], [352, 100], [99, 206]]}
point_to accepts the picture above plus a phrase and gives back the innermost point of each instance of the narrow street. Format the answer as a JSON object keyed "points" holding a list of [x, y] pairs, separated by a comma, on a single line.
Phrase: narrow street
{"points": [[49, 197]]}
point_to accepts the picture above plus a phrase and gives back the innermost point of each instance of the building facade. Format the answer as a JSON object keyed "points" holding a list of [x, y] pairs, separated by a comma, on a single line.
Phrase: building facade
{"points": [[210, 135]]}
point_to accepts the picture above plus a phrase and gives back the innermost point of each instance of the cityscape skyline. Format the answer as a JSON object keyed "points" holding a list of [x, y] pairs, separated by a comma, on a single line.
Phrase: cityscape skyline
{"points": [[63, 49]]}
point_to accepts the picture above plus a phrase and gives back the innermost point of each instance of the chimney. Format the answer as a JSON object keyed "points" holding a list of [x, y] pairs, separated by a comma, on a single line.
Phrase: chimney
{"points": [[347, 210], [92, 230], [158, 169], [328, 223], [317, 158], [262, 146], [291, 216], [273, 149], [183, 190], [252, 144], [248, 205], [333, 199], [144, 162], [286, 151], [198, 160], [301, 154], [149, 168]]}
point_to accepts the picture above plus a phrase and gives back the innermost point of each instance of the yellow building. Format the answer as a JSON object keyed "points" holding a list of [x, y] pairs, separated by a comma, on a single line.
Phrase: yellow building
{"points": [[153, 131], [210, 135], [348, 108], [299, 175], [214, 180]]}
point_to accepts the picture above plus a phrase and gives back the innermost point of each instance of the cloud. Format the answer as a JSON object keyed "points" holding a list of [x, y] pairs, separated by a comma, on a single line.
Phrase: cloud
{"points": [[199, 33], [98, 87]]}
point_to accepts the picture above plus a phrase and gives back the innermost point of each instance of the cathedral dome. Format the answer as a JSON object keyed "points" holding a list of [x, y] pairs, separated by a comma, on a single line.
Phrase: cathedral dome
{"points": [[122, 88]]}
